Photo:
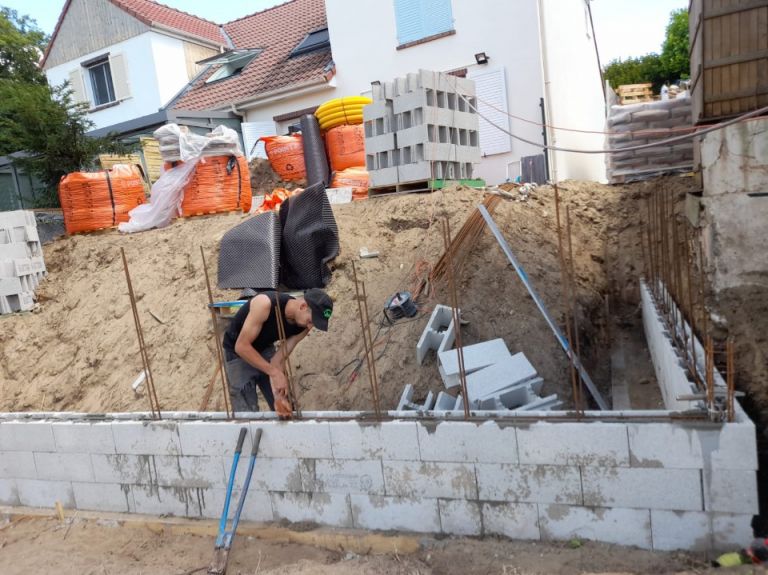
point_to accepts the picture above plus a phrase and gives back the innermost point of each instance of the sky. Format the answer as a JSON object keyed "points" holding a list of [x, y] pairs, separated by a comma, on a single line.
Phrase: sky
{"points": [[623, 28]]}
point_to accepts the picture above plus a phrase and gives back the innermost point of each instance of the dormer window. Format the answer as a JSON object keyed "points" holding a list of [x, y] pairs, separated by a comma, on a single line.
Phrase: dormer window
{"points": [[231, 63], [317, 40]]}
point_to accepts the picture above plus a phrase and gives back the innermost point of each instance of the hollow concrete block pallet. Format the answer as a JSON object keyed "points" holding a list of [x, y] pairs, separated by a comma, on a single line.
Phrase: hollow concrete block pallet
{"points": [[21, 261]]}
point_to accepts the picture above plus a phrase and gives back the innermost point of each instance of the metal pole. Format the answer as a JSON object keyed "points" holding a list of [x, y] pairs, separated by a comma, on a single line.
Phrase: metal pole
{"points": [[573, 294], [370, 343], [284, 348], [217, 343], [154, 405], [368, 352]]}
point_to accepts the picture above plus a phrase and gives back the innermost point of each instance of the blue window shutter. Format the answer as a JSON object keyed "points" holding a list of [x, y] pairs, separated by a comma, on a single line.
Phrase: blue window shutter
{"points": [[417, 19]]}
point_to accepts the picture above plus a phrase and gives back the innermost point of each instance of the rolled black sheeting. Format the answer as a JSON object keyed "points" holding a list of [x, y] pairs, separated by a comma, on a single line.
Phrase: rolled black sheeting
{"points": [[315, 157], [249, 256]]}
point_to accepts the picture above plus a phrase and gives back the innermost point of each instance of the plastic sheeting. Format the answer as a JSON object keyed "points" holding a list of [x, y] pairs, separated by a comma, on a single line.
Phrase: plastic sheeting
{"points": [[178, 143]]}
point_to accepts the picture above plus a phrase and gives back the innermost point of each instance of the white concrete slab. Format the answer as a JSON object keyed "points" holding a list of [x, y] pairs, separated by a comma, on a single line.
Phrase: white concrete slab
{"points": [[430, 479], [529, 483], [461, 441], [418, 514], [476, 357], [612, 525], [513, 520], [460, 517]]}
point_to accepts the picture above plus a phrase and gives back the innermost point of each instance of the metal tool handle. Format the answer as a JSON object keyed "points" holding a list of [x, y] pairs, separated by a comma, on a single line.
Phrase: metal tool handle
{"points": [[256, 441], [241, 439]]}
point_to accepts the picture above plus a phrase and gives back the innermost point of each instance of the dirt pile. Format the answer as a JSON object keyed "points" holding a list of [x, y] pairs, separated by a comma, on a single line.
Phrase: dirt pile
{"points": [[78, 351]]}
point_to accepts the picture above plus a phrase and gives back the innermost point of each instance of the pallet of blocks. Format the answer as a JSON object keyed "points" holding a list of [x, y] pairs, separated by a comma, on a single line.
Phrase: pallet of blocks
{"points": [[21, 261], [419, 130]]}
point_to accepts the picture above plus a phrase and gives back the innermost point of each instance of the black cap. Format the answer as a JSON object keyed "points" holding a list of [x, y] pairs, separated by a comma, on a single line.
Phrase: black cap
{"points": [[321, 305]]}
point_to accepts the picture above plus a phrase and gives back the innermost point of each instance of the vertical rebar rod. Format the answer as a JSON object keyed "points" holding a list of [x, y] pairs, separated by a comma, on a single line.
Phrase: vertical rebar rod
{"points": [[710, 359], [691, 308], [702, 292], [368, 352], [370, 344], [154, 404], [574, 298], [284, 348], [651, 255], [456, 316], [730, 379], [567, 308], [218, 343]]}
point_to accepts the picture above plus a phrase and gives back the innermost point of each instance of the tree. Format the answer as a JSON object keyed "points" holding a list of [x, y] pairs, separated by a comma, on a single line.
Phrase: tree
{"points": [[42, 121], [671, 65]]}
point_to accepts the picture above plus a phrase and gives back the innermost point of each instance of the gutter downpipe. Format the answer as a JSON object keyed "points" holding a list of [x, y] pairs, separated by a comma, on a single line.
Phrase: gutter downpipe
{"points": [[551, 139]]}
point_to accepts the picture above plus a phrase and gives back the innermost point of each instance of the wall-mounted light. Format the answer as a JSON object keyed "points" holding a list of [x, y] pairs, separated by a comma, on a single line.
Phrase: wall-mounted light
{"points": [[481, 58]]}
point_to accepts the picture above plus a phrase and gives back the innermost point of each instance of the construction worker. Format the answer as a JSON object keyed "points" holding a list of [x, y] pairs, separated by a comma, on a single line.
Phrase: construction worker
{"points": [[249, 343]]}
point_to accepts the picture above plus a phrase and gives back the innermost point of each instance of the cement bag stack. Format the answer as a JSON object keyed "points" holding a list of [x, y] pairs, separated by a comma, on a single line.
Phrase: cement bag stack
{"points": [[221, 181], [21, 261], [646, 123], [98, 200]]}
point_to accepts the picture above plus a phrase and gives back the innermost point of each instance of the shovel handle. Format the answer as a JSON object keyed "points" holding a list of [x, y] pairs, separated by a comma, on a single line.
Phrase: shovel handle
{"points": [[256, 441], [241, 439]]}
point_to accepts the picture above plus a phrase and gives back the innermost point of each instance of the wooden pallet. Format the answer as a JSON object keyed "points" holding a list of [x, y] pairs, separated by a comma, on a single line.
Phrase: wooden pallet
{"points": [[422, 186], [634, 93]]}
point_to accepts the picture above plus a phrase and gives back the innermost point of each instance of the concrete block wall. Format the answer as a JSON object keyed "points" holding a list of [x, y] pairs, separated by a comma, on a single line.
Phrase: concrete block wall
{"points": [[419, 128], [649, 484], [21, 261], [646, 123]]}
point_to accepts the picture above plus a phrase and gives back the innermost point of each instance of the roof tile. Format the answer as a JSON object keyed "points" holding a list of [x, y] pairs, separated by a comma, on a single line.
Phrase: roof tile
{"points": [[151, 12]]}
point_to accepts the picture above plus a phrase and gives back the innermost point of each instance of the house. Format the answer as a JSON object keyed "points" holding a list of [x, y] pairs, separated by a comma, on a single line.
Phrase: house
{"points": [[128, 58], [531, 60]]}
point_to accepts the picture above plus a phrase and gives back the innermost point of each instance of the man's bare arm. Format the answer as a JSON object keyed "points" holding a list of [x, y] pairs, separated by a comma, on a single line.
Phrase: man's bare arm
{"points": [[261, 306], [278, 359]]}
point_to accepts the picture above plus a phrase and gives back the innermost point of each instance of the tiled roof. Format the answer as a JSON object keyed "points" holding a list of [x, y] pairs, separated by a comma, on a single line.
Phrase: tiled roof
{"points": [[151, 13], [276, 31]]}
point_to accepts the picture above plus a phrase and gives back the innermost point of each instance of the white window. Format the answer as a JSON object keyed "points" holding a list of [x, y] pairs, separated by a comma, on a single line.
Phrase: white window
{"points": [[419, 19], [100, 81], [491, 87]]}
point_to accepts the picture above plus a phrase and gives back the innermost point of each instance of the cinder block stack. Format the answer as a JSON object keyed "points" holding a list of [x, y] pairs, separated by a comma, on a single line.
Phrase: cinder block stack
{"points": [[420, 128], [21, 261], [647, 123]]}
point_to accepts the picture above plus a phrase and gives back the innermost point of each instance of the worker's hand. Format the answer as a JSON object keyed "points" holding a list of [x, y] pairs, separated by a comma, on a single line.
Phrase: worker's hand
{"points": [[279, 384]]}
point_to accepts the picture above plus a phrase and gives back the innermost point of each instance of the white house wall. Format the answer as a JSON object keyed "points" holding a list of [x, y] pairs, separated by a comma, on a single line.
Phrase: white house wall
{"points": [[575, 94], [153, 64]]}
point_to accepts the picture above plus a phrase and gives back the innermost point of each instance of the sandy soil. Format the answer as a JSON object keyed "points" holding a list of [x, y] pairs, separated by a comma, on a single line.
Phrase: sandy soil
{"points": [[101, 548], [78, 350]]}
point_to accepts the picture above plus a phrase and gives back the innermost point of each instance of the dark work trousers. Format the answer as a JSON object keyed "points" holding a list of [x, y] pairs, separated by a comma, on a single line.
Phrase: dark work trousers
{"points": [[244, 379]]}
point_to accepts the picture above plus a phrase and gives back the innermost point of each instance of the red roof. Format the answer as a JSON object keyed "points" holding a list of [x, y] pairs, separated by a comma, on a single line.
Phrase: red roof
{"points": [[276, 31], [150, 13]]}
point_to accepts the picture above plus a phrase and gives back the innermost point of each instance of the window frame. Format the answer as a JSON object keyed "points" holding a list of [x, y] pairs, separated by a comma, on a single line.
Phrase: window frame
{"points": [[299, 51], [229, 67], [104, 64]]}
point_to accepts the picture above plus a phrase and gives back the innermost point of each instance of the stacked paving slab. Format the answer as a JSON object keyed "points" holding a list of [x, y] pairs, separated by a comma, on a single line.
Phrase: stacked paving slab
{"points": [[21, 261], [497, 380], [419, 128], [646, 123]]}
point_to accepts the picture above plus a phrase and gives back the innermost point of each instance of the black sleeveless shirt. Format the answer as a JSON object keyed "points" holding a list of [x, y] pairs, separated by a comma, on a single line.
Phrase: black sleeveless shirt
{"points": [[269, 333]]}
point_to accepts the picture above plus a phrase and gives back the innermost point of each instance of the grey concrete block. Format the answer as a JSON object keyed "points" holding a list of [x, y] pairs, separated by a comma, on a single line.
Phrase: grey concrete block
{"points": [[513, 520], [611, 525], [650, 115], [269, 474], [189, 471], [529, 483], [64, 466], [430, 479], [257, 506], [674, 530], [146, 438], [301, 439], [103, 497], [671, 489], [461, 441], [392, 440], [541, 404], [438, 334], [419, 514], [599, 444], [26, 436], [9, 494], [506, 372], [476, 357], [39, 493], [17, 464], [444, 402], [730, 531], [346, 476], [10, 286], [414, 172], [383, 177], [214, 438], [324, 508], [124, 469], [730, 490], [180, 502], [678, 445], [382, 143], [460, 517], [76, 437]]}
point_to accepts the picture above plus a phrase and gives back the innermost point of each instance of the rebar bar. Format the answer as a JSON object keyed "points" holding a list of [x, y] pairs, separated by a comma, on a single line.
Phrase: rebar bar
{"points": [[366, 347], [286, 357], [154, 404], [573, 298], [218, 342], [730, 372]]}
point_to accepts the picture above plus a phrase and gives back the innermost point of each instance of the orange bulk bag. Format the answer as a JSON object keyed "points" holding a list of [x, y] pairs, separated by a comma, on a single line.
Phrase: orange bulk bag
{"points": [[219, 184], [97, 200], [286, 156], [355, 178], [346, 146]]}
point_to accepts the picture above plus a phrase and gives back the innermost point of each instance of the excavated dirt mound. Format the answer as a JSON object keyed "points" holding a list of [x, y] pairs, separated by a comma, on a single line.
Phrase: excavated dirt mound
{"points": [[78, 350]]}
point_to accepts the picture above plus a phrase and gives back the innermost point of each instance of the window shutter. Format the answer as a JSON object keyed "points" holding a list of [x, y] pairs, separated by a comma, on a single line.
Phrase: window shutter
{"points": [[119, 77], [436, 17], [77, 85], [252, 131], [409, 20], [491, 87]]}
